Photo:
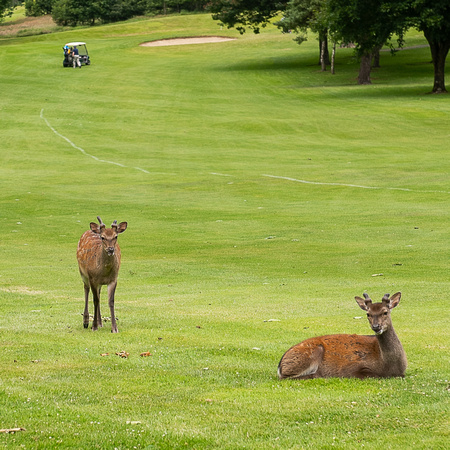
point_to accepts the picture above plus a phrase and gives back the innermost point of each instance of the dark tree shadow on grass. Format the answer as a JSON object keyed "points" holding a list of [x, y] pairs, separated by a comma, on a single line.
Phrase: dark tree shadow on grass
{"points": [[397, 78]]}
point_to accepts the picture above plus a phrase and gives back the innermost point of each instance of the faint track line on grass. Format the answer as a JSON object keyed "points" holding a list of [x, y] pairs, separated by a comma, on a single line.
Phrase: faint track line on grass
{"points": [[319, 183], [221, 174], [84, 152]]}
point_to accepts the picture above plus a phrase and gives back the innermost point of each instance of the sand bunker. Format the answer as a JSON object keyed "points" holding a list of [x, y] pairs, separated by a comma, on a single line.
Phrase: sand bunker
{"points": [[186, 41]]}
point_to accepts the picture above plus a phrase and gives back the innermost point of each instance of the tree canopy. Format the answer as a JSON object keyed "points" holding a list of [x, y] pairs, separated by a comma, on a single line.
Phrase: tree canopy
{"points": [[240, 14], [303, 15]]}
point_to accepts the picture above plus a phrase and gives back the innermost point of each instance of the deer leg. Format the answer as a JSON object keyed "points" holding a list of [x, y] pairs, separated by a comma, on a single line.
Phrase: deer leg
{"points": [[86, 307], [99, 314], [300, 364], [111, 292], [96, 294]]}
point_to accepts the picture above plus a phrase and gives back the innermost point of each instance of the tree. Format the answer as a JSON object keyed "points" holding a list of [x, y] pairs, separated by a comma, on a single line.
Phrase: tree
{"points": [[7, 7], [433, 18], [240, 14], [38, 7], [74, 12], [303, 15], [115, 10], [368, 24]]}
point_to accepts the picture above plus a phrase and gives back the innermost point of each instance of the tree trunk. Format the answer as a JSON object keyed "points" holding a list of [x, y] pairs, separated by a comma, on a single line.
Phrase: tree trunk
{"points": [[322, 57], [364, 69], [333, 57], [323, 39], [439, 52], [376, 58]]}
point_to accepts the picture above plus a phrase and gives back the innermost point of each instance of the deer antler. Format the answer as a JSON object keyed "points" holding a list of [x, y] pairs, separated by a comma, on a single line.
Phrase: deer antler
{"points": [[100, 221], [114, 224], [367, 298]]}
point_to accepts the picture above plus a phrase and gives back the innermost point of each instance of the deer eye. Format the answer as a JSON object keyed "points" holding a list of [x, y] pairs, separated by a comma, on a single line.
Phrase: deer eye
{"points": [[368, 315], [385, 313]]}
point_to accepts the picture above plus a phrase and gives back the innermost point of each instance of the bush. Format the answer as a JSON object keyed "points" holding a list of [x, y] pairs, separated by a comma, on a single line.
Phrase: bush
{"points": [[84, 12], [38, 7]]}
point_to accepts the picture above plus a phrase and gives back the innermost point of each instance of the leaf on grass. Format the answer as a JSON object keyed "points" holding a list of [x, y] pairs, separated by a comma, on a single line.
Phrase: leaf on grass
{"points": [[145, 354], [11, 430], [104, 354], [123, 354], [377, 275], [272, 320]]}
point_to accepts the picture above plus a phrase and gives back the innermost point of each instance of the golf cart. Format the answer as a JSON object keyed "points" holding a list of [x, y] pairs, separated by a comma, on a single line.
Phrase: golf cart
{"points": [[82, 53]]}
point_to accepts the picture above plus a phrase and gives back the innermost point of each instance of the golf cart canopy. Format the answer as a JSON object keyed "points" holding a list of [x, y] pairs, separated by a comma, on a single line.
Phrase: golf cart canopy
{"points": [[83, 50], [75, 44]]}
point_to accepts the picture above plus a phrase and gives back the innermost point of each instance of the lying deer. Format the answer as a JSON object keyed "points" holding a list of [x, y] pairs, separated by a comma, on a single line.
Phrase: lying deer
{"points": [[98, 255], [351, 355]]}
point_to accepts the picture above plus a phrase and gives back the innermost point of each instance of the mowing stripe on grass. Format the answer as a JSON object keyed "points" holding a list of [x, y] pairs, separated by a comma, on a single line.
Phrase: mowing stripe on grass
{"points": [[353, 185], [81, 149]]}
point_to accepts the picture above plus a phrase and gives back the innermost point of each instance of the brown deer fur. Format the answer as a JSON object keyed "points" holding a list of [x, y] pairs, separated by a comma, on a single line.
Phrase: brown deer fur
{"points": [[98, 255], [351, 355]]}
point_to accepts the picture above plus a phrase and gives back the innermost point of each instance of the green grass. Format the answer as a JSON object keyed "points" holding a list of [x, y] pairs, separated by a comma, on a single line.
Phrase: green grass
{"points": [[215, 247]]}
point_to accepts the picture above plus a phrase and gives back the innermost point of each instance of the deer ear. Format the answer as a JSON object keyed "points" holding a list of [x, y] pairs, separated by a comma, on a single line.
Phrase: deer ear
{"points": [[122, 227], [95, 228], [363, 304], [395, 300]]}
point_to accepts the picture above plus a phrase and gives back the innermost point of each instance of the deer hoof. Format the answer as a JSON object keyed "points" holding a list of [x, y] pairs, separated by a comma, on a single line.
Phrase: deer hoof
{"points": [[85, 325]]}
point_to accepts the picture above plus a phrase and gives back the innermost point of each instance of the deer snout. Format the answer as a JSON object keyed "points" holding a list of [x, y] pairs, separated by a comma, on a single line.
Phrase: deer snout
{"points": [[110, 251], [377, 328]]}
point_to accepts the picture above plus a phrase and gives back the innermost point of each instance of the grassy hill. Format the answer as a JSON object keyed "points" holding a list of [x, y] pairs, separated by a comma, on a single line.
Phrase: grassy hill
{"points": [[262, 196]]}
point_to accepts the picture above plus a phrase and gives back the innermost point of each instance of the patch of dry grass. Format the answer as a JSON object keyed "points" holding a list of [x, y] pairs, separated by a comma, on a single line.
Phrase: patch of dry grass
{"points": [[28, 26]]}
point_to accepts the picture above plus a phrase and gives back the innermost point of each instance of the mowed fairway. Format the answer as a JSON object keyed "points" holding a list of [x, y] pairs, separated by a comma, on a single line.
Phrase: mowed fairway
{"points": [[261, 197]]}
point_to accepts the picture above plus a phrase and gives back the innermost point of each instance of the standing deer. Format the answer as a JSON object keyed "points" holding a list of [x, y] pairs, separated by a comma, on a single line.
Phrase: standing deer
{"points": [[98, 255], [351, 355]]}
